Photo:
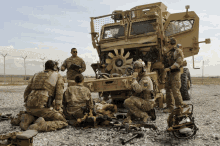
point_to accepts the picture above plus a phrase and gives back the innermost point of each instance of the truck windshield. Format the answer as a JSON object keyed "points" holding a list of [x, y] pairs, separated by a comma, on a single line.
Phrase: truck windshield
{"points": [[142, 27], [114, 31], [175, 27]]}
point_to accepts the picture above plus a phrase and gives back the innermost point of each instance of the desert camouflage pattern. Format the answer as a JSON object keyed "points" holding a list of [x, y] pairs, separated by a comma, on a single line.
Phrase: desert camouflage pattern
{"points": [[75, 98], [172, 87], [71, 74], [105, 108], [173, 80], [48, 126], [42, 85], [175, 58], [140, 103]]}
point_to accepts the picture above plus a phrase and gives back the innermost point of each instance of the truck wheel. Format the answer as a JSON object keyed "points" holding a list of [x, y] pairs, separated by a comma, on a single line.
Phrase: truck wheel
{"points": [[185, 84]]}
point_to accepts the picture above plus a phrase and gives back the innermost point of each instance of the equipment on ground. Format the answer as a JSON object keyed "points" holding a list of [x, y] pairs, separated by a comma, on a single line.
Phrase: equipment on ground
{"points": [[18, 138], [5, 117], [181, 123], [135, 135]]}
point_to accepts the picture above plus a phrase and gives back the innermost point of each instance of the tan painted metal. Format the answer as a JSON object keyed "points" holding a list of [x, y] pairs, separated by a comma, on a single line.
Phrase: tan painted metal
{"points": [[184, 26]]}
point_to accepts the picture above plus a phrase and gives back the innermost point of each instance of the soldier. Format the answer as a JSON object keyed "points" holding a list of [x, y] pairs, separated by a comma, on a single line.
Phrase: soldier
{"points": [[141, 104], [76, 97], [75, 60], [173, 83], [38, 96]]}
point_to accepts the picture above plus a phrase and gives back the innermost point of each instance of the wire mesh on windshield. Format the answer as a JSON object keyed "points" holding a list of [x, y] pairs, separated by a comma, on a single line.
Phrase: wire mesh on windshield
{"points": [[98, 23]]}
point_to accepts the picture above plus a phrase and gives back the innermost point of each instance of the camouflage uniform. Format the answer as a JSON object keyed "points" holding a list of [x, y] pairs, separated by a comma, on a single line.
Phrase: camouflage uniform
{"points": [[42, 85], [139, 104], [173, 82], [75, 98], [71, 74]]}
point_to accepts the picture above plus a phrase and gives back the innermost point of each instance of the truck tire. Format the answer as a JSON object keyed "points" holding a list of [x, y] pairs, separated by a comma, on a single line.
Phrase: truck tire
{"points": [[185, 84]]}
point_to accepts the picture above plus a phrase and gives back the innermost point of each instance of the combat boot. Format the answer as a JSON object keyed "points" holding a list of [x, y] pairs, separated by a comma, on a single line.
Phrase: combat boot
{"points": [[145, 119], [26, 120], [37, 124], [168, 110]]}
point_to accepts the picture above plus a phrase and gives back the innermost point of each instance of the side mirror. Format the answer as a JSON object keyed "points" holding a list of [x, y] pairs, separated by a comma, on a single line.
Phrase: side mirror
{"points": [[207, 41]]}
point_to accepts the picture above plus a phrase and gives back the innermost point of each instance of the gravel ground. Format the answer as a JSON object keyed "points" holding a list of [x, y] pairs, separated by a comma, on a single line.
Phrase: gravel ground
{"points": [[205, 99]]}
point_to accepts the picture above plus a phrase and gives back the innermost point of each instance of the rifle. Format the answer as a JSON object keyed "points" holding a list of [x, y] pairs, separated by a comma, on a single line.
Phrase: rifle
{"points": [[75, 67]]}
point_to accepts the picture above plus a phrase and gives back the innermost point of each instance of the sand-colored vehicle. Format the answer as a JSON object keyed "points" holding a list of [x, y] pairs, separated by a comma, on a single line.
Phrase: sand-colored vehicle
{"points": [[141, 32]]}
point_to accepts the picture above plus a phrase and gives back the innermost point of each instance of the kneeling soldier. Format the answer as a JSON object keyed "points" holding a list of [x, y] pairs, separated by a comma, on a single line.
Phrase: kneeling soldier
{"points": [[141, 104], [38, 96]]}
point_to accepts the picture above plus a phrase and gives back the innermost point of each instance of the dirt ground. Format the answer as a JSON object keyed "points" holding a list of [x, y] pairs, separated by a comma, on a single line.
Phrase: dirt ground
{"points": [[205, 98]]}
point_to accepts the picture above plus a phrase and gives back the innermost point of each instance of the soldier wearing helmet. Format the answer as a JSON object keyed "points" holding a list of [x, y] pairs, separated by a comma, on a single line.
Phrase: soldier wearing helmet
{"points": [[141, 104], [38, 96], [173, 83]]}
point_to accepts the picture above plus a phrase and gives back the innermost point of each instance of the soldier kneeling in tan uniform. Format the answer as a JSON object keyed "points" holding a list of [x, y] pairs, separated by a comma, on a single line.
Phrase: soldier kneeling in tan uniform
{"points": [[141, 104], [44, 86]]}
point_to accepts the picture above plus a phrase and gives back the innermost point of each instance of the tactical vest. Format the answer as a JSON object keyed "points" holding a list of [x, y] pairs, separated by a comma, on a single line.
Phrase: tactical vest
{"points": [[171, 57], [45, 80]]}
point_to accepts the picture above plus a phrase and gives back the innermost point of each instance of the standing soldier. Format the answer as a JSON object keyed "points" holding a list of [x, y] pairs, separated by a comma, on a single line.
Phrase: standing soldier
{"points": [[38, 97], [141, 104], [173, 83], [74, 64]]}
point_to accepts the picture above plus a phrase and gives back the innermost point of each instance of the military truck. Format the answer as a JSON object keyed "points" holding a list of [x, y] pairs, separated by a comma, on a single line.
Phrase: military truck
{"points": [[142, 32]]}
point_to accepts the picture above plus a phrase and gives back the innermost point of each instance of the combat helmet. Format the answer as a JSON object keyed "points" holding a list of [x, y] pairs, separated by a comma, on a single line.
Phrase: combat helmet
{"points": [[139, 64]]}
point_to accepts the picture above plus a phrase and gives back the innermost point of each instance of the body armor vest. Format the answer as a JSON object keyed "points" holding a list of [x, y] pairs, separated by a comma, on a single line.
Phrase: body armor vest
{"points": [[45, 81]]}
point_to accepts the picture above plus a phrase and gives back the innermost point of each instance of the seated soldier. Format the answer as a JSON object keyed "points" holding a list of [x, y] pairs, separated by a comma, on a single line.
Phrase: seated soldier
{"points": [[75, 98], [43, 87], [141, 104]]}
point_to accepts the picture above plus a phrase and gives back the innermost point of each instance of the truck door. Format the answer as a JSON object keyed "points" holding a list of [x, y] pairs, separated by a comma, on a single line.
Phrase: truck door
{"points": [[185, 29]]}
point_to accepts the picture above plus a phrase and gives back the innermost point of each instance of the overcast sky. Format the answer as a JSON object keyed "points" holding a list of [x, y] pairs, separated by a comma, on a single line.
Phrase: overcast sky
{"points": [[50, 28]]}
